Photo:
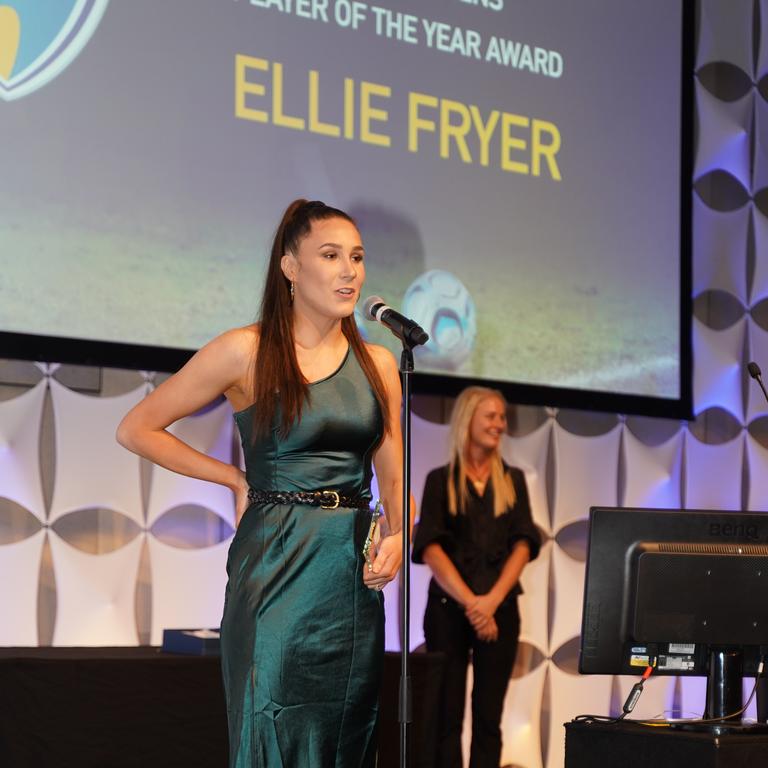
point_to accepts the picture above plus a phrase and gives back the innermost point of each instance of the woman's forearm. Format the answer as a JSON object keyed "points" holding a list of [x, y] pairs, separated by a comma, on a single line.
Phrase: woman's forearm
{"points": [[510, 573], [163, 448], [447, 575]]}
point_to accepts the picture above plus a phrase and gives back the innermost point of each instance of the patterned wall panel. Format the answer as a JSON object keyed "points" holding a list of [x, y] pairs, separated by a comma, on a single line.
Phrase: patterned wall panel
{"points": [[586, 471], [568, 588], [187, 586], [757, 460], [758, 350], [521, 744], [19, 450], [92, 470], [713, 474], [725, 33], [392, 627], [724, 136], [760, 167], [19, 574], [534, 602], [762, 43], [572, 695], [720, 260], [719, 371], [530, 453], [653, 473], [429, 450], [760, 276], [95, 594]]}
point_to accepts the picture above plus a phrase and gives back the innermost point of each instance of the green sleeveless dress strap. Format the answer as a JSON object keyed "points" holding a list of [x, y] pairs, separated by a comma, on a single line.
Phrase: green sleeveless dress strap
{"points": [[302, 637]]}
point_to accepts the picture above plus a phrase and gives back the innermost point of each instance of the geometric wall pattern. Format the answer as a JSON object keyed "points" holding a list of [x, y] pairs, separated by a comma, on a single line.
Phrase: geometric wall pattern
{"points": [[101, 548]]}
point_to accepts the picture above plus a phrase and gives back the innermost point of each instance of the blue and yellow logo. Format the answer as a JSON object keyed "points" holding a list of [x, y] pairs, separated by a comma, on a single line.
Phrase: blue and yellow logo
{"points": [[39, 39]]}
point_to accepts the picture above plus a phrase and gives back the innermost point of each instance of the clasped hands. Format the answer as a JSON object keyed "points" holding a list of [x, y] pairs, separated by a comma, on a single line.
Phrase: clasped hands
{"points": [[480, 614]]}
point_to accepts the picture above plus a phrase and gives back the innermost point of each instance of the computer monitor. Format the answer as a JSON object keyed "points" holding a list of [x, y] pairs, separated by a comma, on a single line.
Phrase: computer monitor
{"points": [[683, 588]]}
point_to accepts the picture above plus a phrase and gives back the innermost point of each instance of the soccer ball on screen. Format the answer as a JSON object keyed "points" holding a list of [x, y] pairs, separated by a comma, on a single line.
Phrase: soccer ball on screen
{"points": [[440, 303]]}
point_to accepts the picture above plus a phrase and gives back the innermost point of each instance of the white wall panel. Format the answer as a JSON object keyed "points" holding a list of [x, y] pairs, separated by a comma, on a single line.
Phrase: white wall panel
{"points": [[92, 470], [586, 474], [530, 454], [95, 594], [187, 587], [713, 474], [19, 577], [568, 584], [758, 351], [717, 371], [725, 33], [724, 136], [760, 277], [572, 695], [652, 473], [521, 722], [420, 577], [20, 449], [757, 459], [429, 449], [760, 171], [392, 622], [762, 59], [720, 255], [534, 602]]}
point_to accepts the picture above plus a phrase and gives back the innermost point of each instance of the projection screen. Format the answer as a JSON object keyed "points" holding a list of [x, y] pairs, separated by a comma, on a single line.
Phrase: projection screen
{"points": [[517, 169]]}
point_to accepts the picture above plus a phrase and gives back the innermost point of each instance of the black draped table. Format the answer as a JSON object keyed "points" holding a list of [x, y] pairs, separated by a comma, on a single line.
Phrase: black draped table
{"points": [[140, 708]]}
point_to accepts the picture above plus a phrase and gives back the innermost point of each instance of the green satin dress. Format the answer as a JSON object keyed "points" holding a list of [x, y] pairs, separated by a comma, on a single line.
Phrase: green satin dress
{"points": [[302, 638]]}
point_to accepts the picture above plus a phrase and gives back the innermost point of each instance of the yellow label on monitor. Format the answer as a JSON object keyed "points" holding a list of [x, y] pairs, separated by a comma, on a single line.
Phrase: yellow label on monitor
{"points": [[638, 661]]}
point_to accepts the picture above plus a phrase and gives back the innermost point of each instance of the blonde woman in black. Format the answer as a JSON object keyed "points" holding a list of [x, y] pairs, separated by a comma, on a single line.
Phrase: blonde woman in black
{"points": [[476, 535]]}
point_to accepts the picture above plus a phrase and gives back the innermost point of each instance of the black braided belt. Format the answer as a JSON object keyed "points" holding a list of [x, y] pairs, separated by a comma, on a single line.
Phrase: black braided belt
{"points": [[323, 499]]}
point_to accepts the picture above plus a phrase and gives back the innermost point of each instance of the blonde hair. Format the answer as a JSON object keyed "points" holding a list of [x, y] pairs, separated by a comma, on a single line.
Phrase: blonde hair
{"points": [[461, 418]]}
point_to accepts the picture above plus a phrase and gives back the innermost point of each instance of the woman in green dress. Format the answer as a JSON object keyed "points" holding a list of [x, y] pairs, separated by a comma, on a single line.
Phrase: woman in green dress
{"points": [[302, 631]]}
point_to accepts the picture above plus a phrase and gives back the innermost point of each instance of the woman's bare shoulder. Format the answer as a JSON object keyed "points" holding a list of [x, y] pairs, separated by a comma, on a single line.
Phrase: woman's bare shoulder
{"points": [[382, 357], [238, 344]]}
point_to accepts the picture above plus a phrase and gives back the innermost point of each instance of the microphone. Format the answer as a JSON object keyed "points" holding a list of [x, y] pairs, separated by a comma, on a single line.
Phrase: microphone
{"points": [[408, 331], [757, 375]]}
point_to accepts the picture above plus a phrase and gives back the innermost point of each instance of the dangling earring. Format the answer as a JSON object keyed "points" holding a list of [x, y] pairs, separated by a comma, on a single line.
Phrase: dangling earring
{"points": [[293, 291]]}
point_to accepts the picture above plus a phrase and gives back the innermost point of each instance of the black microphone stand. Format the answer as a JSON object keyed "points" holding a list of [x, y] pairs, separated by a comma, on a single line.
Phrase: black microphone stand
{"points": [[410, 335], [761, 684], [405, 708]]}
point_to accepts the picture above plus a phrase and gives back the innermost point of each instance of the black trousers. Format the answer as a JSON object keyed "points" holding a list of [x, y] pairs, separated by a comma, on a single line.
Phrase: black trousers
{"points": [[446, 629]]}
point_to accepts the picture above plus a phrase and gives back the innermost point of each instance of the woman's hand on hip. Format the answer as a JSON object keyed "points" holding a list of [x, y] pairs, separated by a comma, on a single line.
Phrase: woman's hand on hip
{"points": [[240, 489]]}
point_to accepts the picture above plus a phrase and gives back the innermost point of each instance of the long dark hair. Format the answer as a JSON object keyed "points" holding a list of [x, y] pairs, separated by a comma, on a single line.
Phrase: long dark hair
{"points": [[277, 378]]}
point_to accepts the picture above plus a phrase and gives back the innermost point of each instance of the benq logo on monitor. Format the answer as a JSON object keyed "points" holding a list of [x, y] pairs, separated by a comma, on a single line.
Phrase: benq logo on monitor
{"points": [[733, 531], [39, 40]]}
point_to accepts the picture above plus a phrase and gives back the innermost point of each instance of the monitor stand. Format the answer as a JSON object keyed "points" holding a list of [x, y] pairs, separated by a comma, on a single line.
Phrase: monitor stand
{"points": [[724, 696]]}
